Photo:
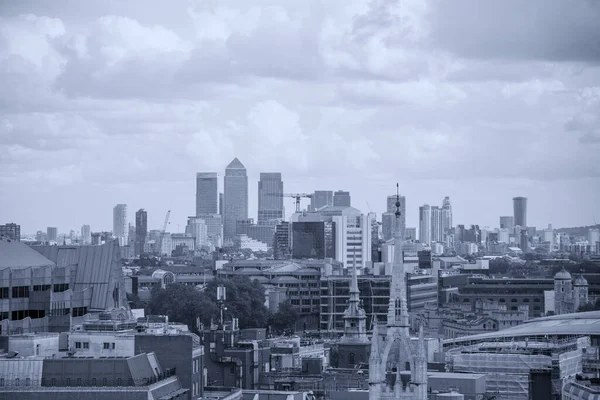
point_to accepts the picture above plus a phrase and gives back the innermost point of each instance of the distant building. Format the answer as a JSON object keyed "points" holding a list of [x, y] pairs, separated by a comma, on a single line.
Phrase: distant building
{"points": [[410, 234], [320, 199], [436, 224], [520, 211], [262, 233], [10, 231], [507, 222], [593, 236], [281, 241], [214, 228], [270, 198], [51, 234], [341, 198], [141, 230], [86, 235], [425, 224], [119, 223], [206, 193], [221, 202], [388, 218], [235, 197], [313, 240], [196, 227], [446, 217]]}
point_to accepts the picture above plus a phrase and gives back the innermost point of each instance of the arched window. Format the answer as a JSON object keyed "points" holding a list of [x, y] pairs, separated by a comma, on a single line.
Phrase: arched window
{"points": [[351, 359]]}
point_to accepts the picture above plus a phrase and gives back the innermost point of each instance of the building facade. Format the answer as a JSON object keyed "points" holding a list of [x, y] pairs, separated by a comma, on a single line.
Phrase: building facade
{"points": [[270, 198], [313, 240], [206, 193], [320, 199], [119, 223], [10, 231], [425, 224], [341, 198], [235, 197], [520, 211], [51, 234], [141, 230]]}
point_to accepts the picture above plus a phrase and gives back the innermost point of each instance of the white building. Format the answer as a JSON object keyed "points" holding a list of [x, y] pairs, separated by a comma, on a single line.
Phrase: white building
{"points": [[425, 224], [196, 227], [120, 230]]}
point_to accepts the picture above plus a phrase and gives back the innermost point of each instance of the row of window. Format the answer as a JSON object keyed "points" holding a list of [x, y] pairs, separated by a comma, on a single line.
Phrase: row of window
{"points": [[16, 382], [23, 291]]}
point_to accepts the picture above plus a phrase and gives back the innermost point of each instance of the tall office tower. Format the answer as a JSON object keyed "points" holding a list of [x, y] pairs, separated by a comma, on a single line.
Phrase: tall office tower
{"points": [[436, 224], [235, 198], [141, 230], [281, 241], [11, 231], [51, 234], [120, 223], [320, 199], [270, 198], [425, 224], [388, 219], [86, 235], [520, 211], [341, 198], [214, 228], [207, 194], [446, 217], [507, 222], [221, 204], [196, 227], [315, 240]]}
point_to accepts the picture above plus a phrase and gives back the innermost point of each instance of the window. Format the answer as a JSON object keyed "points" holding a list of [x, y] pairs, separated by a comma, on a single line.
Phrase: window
{"points": [[86, 345], [77, 345], [232, 370], [106, 346], [113, 346], [61, 287], [20, 291], [351, 359], [1, 381], [4, 293], [17, 380]]}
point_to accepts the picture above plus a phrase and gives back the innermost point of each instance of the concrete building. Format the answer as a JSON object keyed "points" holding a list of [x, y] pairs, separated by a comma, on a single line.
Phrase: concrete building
{"points": [[207, 193], [270, 198], [235, 197], [10, 231], [51, 234], [507, 222], [320, 199], [410, 234], [221, 203], [282, 245], [446, 217], [388, 221], [436, 225], [214, 228], [520, 211], [313, 240], [341, 198], [196, 227], [425, 224], [86, 235], [262, 233], [141, 230], [119, 223]]}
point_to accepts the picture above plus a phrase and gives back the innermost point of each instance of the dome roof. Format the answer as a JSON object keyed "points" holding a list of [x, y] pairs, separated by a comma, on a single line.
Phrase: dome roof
{"points": [[581, 281], [562, 275]]}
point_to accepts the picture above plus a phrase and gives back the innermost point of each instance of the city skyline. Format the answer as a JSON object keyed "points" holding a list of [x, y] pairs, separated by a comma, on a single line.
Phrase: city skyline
{"points": [[349, 95]]}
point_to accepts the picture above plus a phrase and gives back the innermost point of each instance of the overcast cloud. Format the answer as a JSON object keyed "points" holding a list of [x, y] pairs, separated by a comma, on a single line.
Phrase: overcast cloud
{"points": [[124, 101]]}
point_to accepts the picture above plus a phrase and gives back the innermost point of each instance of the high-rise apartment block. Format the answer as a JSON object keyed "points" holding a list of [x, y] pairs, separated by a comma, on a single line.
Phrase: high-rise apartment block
{"points": [[86, 235], [10, 231], [120, 223], [446, 217], [425, 224], [507, 222], [520, 211], [196, 227], [51, 234], [206, 193], [281, 241], [388, 218], [320, 199], [141, 230], [436, 224], [214, 228], [270, 198], [235, 197], [341, 198]]}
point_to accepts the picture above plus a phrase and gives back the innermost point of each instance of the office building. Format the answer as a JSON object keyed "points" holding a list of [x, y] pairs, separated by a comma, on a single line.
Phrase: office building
{"points": [[520, 211], [141, 230], [320, 199], [507, 222], [235, 197], [119, 223], [261, 233], [221, 204], [446, 217], [410, 234], [436, 224], [270, 198], [206, 193], [388, 219], [51, 234], [214, 228], [196, 227], [425, 224], [341, 198], [86, 235], [281, 241], [314, 240], [10, 231]]}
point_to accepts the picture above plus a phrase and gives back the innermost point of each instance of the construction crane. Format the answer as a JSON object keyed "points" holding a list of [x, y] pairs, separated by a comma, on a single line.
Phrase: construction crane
{"points": [[162, 232], [297, 197]]}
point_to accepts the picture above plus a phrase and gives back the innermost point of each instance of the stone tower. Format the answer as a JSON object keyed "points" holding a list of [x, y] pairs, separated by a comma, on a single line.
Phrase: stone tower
{"points": [[580, 292], [563, 292], [353, 348], [394, 346]]}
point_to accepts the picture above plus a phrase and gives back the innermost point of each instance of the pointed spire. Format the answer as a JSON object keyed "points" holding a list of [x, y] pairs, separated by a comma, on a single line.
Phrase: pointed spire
{"points": [[397, 309], [420, 353], [354, 282], [375, 356]]}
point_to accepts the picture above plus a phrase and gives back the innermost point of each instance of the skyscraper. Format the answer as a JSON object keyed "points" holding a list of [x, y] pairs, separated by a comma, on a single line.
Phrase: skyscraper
{"points": [[120, 223], [320, 199], [388, 219], [270, 198], [507, 222], [425, 224], [206, 193], [436, 224], [341, 198], [520, 211], [86, 235], [446, 217], [221, 201], [235, 198], [51, 234], [141, 230]]}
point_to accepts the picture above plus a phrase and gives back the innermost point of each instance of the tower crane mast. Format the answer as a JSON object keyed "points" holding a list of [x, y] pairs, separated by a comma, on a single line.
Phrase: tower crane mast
{"points": [[297, 197]]}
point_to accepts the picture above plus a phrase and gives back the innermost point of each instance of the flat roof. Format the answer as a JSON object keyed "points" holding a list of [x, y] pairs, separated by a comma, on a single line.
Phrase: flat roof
{"points": [[18, 255]]}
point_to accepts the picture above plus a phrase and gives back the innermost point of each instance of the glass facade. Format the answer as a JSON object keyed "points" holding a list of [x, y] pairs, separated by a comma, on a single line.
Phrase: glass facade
{"points": [[313, 240], [206, 193], [270, 198]]}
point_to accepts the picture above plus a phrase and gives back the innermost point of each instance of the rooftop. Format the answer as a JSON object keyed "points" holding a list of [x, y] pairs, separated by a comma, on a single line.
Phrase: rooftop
{"points": [[19, 255]]}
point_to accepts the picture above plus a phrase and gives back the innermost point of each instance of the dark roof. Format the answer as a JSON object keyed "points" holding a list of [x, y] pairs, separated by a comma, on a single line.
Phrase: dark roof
{"points": [[98, 267], [19, 255]]}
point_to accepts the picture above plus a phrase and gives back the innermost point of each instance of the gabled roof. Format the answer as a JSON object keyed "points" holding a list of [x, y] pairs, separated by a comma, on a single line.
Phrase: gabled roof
{"points": [[235, 164], [19, 255]]}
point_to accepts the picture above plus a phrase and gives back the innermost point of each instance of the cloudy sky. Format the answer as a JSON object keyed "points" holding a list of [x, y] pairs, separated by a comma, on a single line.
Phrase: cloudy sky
{"points": [[118, 101]]}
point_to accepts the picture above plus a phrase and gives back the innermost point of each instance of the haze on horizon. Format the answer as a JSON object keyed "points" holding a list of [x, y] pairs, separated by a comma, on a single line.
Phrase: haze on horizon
{"points": [[123, 102]]}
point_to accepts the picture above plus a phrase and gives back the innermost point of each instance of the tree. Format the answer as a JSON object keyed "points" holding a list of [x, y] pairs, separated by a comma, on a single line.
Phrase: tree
{"points": [[285, 318], [182, 304], [245, 300]]}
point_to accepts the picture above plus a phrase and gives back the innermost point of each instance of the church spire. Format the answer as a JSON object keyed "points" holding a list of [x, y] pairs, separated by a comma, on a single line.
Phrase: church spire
{"points": [[355, 325], [397, 309]]}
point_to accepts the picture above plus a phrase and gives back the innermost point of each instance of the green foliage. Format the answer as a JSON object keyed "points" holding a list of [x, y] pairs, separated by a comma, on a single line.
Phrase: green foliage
{"points": [[182, 304], [285, 318]]}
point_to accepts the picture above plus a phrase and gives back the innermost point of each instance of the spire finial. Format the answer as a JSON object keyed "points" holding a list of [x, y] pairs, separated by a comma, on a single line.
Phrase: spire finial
{"points": [[397, 200]]}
